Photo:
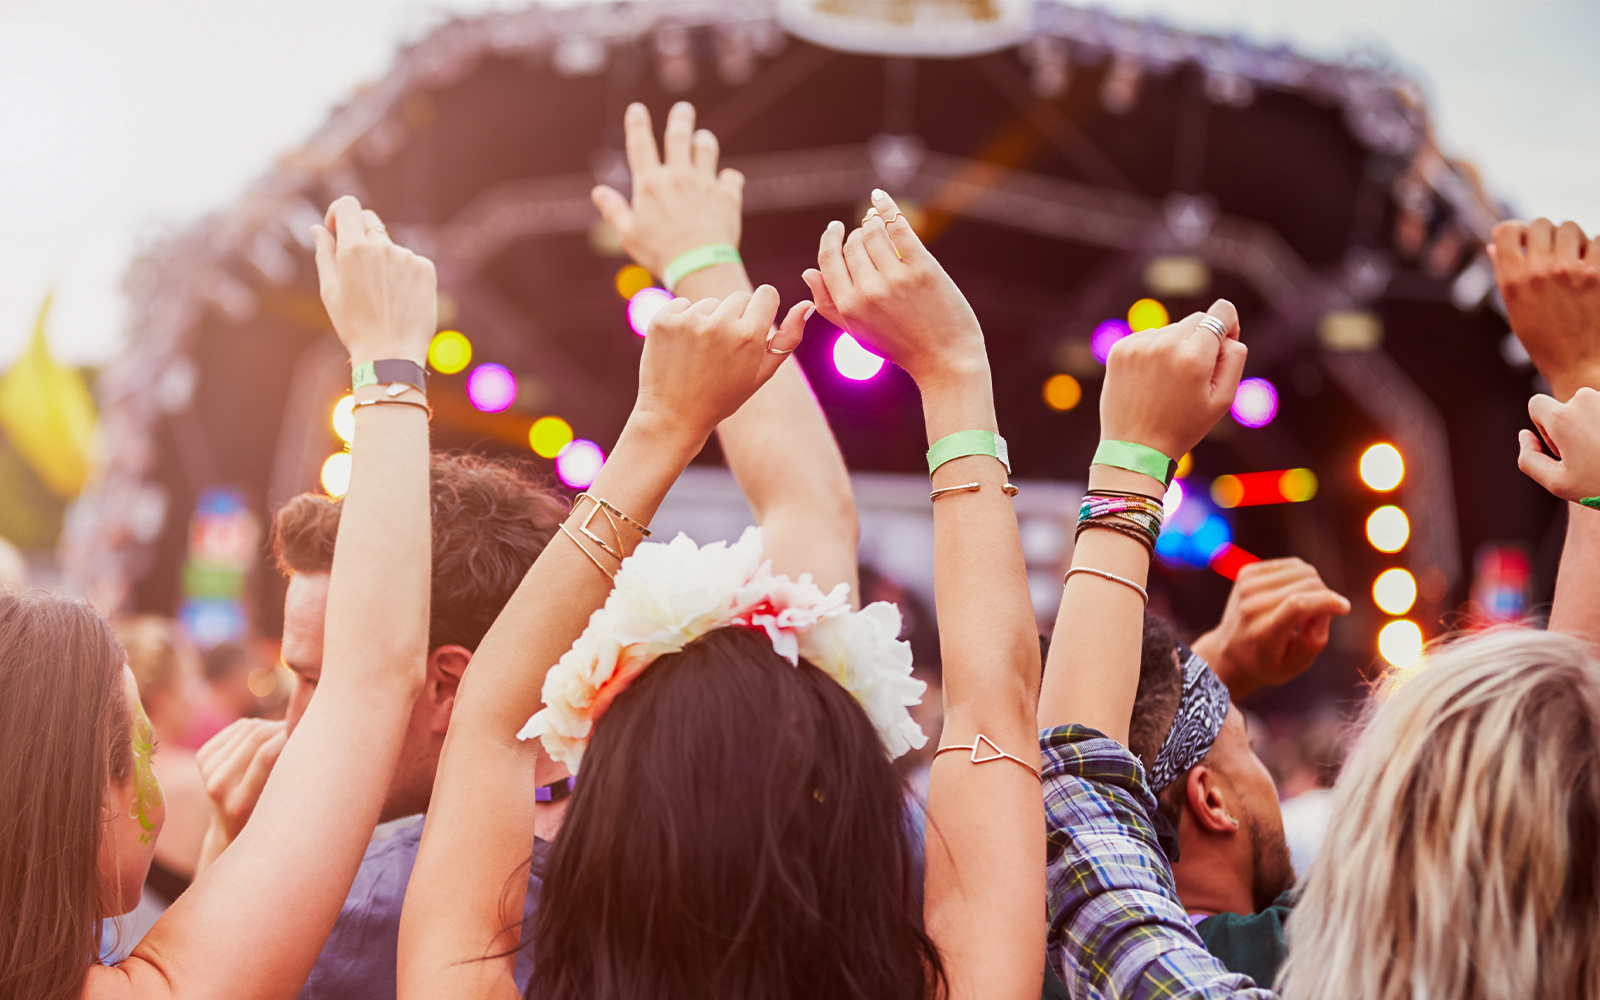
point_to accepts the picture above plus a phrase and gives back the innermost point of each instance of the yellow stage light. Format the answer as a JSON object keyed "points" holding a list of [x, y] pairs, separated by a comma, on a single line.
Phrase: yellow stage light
{"points": [[1395, 591], [631, 280], [1062, 392], [1388, 529], [1185, 466], [1382, 468], [1227, 491], [344, 419], [1298, 485], [1147, 314], [449, 352], [336, 474], [548, 436], [1400, 642]]}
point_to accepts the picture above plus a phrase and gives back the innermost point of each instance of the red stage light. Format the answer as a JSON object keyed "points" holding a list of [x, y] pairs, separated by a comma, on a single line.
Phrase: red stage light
{"points": [[1247, 489], [1230, 559]]}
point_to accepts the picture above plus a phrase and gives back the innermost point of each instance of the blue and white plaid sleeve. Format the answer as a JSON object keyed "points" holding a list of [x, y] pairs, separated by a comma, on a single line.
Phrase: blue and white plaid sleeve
{"points": [[1117, 930]]}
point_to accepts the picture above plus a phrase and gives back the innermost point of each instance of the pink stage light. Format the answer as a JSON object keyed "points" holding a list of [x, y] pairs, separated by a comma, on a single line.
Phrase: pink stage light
{"points": [[644, 305], [492, 387], [579, 463], [1256, 403], [1105, 336], [854, 361]]}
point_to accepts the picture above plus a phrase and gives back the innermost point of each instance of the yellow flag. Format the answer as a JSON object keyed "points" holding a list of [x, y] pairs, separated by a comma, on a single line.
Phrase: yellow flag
{"points": [[48, 413]]}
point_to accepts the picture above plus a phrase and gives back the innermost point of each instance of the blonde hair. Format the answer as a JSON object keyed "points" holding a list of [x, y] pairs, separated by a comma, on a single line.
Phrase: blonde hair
{"points": [[1461, 861]]}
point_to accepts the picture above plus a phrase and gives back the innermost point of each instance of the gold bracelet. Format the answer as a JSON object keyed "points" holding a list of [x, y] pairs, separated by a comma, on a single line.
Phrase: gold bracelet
{"points": [[390, 400], [997, 754], [1114, 578], [585, 549], [601, 501], [1007, 489]]}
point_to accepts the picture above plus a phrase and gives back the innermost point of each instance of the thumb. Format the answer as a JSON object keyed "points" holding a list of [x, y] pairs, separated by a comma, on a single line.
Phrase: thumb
{"points": [[327, 269], [786, 338], [1538, 466], [614, 208], [824, 300], [1230, 369]]}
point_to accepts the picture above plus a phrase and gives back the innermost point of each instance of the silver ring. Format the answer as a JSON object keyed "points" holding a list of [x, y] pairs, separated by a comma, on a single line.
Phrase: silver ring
{"points": [[1215, 325]]}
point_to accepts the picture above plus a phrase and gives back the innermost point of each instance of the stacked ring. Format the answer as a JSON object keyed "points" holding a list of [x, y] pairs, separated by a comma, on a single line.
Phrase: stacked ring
{"points": [[1215, 325]]}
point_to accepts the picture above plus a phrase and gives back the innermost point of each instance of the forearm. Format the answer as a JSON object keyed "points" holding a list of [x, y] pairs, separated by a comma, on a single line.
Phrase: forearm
{"points": [[1093, 671], [465, 898], [1575, 610]]}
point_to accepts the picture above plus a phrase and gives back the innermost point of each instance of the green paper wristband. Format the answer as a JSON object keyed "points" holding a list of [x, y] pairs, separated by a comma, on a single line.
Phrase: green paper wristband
{"points": [[964, 443], [1593, 503], [1139, 458], [699, 259]]}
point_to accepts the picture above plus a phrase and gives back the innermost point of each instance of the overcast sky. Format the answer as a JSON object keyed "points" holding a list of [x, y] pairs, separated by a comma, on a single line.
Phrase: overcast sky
{"points": [[122, 120]]}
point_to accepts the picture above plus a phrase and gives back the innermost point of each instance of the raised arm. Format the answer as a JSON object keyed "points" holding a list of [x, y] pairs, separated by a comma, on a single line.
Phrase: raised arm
{"points": [[985, 857], [466, 895], [1164, 390], [1549, 277], [1275, 624], [778, 444], [275, 894]]}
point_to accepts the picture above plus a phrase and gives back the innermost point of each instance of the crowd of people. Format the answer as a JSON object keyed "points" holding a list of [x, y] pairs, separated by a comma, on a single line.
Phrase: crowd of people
{"points": [[613, 767]]}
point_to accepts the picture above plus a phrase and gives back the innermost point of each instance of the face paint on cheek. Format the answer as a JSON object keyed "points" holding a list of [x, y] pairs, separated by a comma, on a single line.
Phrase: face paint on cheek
{"points": [[147, 790]]}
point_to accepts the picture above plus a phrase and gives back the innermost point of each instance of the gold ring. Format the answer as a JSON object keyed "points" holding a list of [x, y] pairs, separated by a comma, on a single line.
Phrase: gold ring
{"points": [[771, 351]]}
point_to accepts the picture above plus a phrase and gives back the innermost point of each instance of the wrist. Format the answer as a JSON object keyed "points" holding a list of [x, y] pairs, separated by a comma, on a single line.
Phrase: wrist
{"points": [[717, 281], [661, 433], [1109, 477], [959, 401]]}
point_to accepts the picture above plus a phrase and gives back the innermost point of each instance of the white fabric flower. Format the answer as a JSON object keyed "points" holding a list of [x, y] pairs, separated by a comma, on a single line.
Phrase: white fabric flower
{"points": [[666, 596]]}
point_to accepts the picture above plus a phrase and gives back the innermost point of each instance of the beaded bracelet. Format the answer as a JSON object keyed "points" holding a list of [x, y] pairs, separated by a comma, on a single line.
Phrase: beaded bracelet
{"points": [[1137, 534]]}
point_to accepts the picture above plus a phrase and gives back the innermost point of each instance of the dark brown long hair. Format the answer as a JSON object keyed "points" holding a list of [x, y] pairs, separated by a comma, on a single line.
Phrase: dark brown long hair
{"points": [[737, 832], [63, 740]]}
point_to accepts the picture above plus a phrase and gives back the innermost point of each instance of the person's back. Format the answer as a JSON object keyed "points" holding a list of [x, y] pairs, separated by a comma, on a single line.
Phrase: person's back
{"points": [[1463, 859]]}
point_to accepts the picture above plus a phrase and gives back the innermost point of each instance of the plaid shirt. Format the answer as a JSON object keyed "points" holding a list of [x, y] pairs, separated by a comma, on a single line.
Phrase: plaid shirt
{"points": [[1117, 929]]}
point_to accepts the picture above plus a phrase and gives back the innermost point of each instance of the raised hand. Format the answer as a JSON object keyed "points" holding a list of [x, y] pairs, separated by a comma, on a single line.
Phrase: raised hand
{"points": [[1166, 388], [680, 201], [703, 360], [235, 765], [1550, 279], [1572, 471], [382, 298], [1275, 624], [883, 286]]}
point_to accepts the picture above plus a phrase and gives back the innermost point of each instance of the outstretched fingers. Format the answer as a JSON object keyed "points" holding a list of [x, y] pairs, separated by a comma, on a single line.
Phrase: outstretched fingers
{"points": [[678, 137], [706, 151], [613, 207], [830, 262], [639, 140], [879, 246], [907, 244]]}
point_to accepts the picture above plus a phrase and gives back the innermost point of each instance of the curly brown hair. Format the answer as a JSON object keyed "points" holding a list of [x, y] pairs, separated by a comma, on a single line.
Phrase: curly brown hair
{"points": [[491, 519]]}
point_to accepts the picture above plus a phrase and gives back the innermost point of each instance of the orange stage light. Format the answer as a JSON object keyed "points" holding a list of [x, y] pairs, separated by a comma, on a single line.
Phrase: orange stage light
{"points": [[1247, 489]]}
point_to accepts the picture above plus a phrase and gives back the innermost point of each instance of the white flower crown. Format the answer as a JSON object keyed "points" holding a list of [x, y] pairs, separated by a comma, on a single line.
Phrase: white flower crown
{"points": [[667, 596]]}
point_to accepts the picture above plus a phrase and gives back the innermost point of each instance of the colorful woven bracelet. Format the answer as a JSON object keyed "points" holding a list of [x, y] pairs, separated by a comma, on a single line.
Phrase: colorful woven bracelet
{"points": [[964, 443], [1133, 509], [1137, 534], [1136, 458], [699, 259]]}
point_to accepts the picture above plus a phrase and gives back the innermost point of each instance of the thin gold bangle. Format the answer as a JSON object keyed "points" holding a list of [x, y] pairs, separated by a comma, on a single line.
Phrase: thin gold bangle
{"points": [[1007, 489], [585, 549], [984, 741], [608, 505]]}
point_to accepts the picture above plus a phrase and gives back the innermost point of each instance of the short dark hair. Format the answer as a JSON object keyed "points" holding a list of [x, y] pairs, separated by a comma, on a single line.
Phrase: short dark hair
{"points": [[491, 519], [1155, 705], [738, 831]]}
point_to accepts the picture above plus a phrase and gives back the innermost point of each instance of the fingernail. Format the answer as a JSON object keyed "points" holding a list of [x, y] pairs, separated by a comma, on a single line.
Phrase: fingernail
{"points": [[835, 224], [809, 313], [878, 195]]}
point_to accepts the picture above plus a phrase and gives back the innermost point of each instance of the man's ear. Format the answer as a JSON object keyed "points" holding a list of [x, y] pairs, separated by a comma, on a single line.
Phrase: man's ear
{"points": [[446, 664], [1209, 801]]}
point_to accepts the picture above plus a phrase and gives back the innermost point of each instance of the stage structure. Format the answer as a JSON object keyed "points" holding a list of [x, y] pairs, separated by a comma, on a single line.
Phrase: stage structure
{"points": [[1077, 173]]}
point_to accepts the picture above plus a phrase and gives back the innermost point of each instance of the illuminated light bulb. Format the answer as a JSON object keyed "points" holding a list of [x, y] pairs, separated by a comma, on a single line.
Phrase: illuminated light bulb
{"points": [[1255, 403], [344, 419], [1388, 529], [631, 280], [854, 361], [1062, 392], [1395, 591], [548, 436], [1185, 466], [1297, 485], [336, 474], [491, 387], [1400, 642], [449, 352], [579, 463], [644, 305], [1173, 501], [1105, 337], [1382, 467], [1227, 491], [1147, 314]]}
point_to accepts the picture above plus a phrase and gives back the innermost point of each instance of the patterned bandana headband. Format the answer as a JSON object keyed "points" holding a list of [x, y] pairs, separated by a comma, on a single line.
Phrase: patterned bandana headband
{"points": [[1201, 710]]}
